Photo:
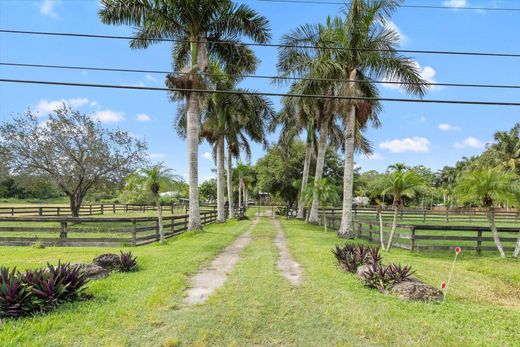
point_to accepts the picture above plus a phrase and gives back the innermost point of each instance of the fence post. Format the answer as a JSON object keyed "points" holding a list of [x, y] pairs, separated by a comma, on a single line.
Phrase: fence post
{"points": [[413, 238], [470, 215], [40, 211], [102, 209], [359, 229], [63, 231], [447, 216], [479, 241], [370, 232], [134, 233], [58, 210], [172, 207], [424, 216], [126, 208], [173, 224], [12, 211], [90, 209], [114, 208]]}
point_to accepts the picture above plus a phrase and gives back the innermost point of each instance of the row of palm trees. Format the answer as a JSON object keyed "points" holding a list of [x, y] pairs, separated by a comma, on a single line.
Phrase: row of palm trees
{"points": [[357, 46]]}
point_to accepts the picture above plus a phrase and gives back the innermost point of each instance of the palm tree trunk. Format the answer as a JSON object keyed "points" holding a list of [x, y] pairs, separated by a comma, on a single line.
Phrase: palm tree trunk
{"points": [[346, 228], [230, 183], [221, 214], [305, 179], [193, 155], [491, 220], [159, 214], [394, 226], [240, 192], [517, 248], [320, 164], [381, 237]]}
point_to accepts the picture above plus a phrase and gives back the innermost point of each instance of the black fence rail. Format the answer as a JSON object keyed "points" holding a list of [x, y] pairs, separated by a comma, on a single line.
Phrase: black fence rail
{"points": [[435, 237], [416, 216], [95, 209], [92, 232]]}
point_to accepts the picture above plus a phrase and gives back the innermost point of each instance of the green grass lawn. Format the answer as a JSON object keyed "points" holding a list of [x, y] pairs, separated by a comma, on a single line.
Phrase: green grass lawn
{"points": [[257, 306]]}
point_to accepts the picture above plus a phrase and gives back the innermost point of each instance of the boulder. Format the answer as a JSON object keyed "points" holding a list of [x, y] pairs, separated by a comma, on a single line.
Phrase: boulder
{"points": [[93, 272], [362, 269], [108, 261], [414, 289]]}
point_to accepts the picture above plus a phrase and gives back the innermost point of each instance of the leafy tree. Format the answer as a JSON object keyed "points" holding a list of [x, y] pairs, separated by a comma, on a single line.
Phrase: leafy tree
{"points": [[72, 150], [489, 187], [399, 184], [197, 27], [505, 152], [208, 190]]}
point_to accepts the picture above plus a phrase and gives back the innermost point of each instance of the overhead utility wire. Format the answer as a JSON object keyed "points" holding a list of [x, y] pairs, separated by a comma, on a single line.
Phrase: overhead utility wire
{"points": [[91, 68], [437, 7], [483, 54], [208, 91]]}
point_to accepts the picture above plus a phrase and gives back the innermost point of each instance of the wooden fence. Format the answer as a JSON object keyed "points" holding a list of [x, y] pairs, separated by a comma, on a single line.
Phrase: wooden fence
{"points": [[435, 237], [94, 209], [416, 216], [94, 232]]}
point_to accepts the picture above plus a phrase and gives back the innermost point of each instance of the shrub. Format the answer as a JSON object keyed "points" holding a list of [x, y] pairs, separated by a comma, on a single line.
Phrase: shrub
{"points": [[40, 290], [382, 277], [128, 262], [350, 257]]}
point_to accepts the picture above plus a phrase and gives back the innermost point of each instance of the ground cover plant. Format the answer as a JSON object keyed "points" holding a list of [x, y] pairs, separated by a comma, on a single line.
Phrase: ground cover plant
{"points": [[40, 290]]}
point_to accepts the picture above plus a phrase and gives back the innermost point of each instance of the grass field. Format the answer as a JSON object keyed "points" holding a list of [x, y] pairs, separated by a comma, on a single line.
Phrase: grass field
{"points": [[257, 306]]}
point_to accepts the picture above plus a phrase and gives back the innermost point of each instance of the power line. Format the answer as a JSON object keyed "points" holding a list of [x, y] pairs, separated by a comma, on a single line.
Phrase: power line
{"points": [[431, 101], [437, 7], [269, 77], [117, 37]]}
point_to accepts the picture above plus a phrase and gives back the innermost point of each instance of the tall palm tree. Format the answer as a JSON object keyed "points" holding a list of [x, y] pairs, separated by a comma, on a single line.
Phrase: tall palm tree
{"points": [[399, 184], [489, 187], [155, 177], [197, 26]]}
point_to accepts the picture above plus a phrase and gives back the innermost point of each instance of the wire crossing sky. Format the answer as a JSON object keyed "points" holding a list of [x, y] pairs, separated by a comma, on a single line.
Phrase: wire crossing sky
{"points": [[468, 53]]}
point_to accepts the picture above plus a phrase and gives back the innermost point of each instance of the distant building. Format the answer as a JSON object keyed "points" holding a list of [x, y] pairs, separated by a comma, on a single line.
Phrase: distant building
{"points": [[264, 198]]}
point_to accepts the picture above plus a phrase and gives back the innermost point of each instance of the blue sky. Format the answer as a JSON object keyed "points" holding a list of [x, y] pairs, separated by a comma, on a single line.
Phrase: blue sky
{"points": [[427, 134]]}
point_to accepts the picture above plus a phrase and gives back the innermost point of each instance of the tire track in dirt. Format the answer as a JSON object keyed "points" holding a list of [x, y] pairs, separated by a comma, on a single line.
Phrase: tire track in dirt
{"points": [[287, 266]]}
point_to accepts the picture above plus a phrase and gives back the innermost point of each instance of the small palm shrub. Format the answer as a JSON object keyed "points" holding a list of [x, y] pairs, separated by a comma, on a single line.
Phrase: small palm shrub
{"points": [[128, 262], [382, 277], [350, 257], [23, 294]]}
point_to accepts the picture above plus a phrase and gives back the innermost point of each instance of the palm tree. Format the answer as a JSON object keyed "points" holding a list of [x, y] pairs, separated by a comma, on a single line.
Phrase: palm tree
{"points": [[197, 28], [155, 177], [327, 194], [506, 149], [401, 184], [489, 187]]}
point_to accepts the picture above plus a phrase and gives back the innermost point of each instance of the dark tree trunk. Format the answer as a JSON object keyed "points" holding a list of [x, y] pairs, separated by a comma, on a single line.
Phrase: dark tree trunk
{"points": [[75, 204]]}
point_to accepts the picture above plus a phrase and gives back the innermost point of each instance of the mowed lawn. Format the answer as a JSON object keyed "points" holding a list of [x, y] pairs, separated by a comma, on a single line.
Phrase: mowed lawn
{"points": [[257, 306]]}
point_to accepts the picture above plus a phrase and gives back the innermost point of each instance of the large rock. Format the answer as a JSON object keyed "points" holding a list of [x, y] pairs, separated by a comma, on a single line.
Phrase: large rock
{"points": [[361, 270], [93, 272], [108, 261], [414, 289]]}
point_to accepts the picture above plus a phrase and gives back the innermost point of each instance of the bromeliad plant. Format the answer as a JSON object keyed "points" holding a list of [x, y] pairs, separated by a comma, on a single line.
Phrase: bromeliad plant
{"points": [[383, 278], [350, 257], [128, 262], [23, 294]]}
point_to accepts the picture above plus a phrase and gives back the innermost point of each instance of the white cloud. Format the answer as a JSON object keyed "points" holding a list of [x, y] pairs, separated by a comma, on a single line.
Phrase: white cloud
{"points": [[414, 144], [143, 117], [403, 39], [207, 156], [45, 107], [156, 155], [455, 3], [150, 78], [448, 127], [108, 116], [374, 156], [47, 8], [470, 142]]}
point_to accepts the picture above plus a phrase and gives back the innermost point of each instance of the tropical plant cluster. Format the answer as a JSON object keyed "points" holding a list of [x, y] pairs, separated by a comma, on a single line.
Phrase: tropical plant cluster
{"points": [[367, 262], [40, 290]]}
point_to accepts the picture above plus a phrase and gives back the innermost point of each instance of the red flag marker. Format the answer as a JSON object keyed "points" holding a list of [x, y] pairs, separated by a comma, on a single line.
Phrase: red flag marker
{"points": [[444, 285]]}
